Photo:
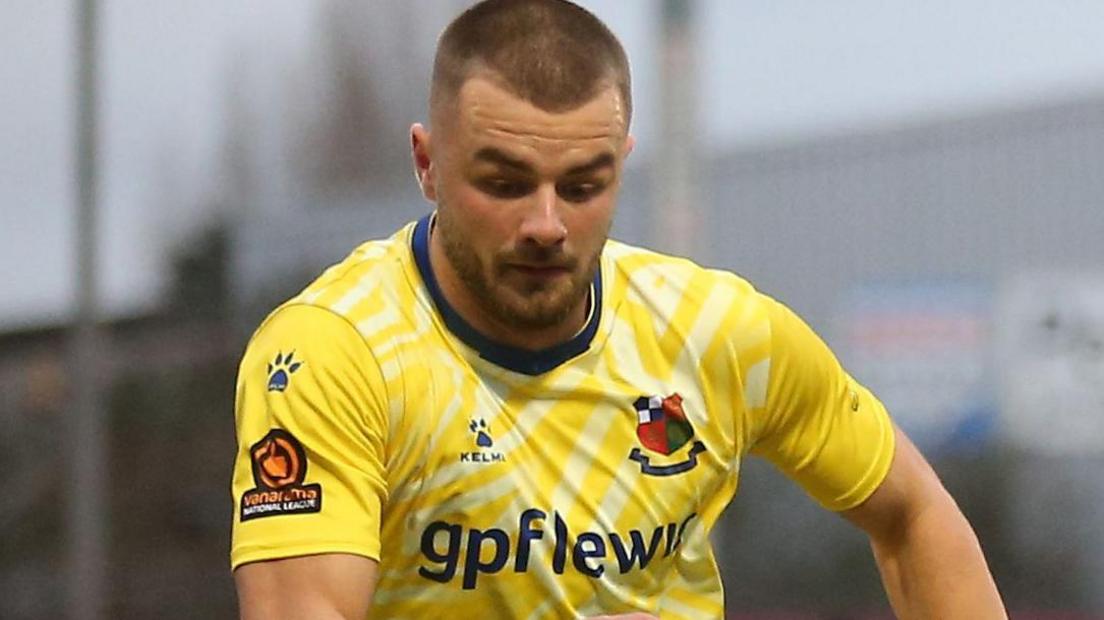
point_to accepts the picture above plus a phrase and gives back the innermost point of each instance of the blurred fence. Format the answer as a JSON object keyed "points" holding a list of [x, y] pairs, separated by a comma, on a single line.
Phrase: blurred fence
{"points": [[978, 200], [979, 204]]}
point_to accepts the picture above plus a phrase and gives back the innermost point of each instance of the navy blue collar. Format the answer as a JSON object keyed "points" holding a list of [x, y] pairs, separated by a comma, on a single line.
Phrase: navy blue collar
{"points": [[512, 358]]}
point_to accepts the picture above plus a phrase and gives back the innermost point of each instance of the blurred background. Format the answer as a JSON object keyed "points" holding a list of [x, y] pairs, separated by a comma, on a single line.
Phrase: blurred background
{"points": [[915, 178]]}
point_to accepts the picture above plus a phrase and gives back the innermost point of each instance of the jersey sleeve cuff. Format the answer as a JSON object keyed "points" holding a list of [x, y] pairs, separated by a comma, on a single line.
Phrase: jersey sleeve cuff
{"points": [[874, 476], [253, 553]]}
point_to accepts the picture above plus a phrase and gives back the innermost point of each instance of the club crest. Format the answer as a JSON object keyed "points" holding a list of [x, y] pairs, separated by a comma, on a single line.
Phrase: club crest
{"points": [[662, 427]]}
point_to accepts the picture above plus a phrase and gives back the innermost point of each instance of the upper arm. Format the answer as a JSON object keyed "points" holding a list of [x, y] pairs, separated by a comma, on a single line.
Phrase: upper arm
{"points": [[930, 560], [323, 587], [312, 426], [819, 426], [909, 489]]}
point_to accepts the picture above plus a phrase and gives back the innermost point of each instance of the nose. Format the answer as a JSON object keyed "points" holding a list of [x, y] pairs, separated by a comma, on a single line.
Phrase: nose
{"points": [[543, 224]]}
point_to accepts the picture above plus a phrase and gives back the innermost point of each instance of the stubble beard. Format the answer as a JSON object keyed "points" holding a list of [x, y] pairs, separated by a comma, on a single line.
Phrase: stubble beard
{"points": [[534, 307]]}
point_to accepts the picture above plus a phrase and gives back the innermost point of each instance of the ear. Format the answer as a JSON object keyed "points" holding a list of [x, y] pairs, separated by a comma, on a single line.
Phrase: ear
{"points": [[424, 170], [630, 142]]}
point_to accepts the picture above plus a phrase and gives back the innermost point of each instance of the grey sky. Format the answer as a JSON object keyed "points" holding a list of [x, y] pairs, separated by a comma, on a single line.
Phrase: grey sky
{"points": [[771, 71], [789, 67]]}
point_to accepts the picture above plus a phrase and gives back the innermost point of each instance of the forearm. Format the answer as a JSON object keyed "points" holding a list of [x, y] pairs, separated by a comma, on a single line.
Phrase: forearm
{"points": [[933, 567]]}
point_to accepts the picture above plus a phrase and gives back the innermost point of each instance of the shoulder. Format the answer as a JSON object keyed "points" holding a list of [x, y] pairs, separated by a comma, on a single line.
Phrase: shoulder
{"points": [[354, 290], [672, 284], [374, 266], [341, 307]]}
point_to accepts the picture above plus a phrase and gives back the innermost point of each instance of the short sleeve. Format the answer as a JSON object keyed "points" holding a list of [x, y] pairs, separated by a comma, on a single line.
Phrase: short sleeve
{"points": [[822, 428], [311, 434]]}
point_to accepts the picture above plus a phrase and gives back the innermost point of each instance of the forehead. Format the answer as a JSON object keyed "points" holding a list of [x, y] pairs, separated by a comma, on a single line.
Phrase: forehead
{"points": [[489, 115]]}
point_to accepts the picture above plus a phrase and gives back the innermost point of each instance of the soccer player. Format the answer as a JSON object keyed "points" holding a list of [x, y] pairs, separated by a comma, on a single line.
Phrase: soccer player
{"points": [[500, 413]]}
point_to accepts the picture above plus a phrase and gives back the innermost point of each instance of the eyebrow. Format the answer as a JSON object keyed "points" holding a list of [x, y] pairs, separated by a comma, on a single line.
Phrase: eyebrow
{"points": [[603, 160], [495, 156]]}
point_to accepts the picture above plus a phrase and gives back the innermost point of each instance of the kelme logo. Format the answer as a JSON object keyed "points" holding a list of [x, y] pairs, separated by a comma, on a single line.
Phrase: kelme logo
{"points": [[481, 434], [280, 371]]}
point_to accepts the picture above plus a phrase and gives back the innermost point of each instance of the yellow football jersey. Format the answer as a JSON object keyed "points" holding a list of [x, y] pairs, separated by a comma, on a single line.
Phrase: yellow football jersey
{"points": [[499, 483]]}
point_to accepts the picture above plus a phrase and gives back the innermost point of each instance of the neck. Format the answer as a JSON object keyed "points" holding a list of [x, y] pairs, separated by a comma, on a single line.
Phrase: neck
{"points": [[468, 307]]}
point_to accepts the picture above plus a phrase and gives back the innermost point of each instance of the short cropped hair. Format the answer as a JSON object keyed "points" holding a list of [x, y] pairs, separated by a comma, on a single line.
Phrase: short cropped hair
{"points": [[551, 53]]}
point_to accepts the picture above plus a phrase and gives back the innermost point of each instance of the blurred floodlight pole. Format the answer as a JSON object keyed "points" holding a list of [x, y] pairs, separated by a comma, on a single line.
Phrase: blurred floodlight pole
{"points": [[677, 209], [85, 518]]}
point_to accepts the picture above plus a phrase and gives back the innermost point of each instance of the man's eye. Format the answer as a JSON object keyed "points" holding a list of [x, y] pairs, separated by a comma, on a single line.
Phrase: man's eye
{"points": [[504, 188], [579, 192]]}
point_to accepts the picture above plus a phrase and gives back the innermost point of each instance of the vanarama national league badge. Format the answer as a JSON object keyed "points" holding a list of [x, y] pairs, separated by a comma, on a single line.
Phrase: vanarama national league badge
{"points": [[279, 469], [662, 428]]}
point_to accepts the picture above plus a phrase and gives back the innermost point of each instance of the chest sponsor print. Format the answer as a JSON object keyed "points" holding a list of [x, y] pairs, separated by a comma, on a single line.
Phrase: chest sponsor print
{"points": [[451, 548]]}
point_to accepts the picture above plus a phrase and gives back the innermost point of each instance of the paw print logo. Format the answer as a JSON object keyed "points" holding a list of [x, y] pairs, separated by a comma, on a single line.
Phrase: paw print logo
{"points": [[482, 438], [280, 371]]}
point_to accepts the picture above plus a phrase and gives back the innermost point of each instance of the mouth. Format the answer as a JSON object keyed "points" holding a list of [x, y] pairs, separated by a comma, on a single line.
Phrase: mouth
{"points": [[541, 271]]}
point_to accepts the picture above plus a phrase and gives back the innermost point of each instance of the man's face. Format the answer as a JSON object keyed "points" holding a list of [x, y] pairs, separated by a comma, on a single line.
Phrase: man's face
{"points": [[525, 199]]}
